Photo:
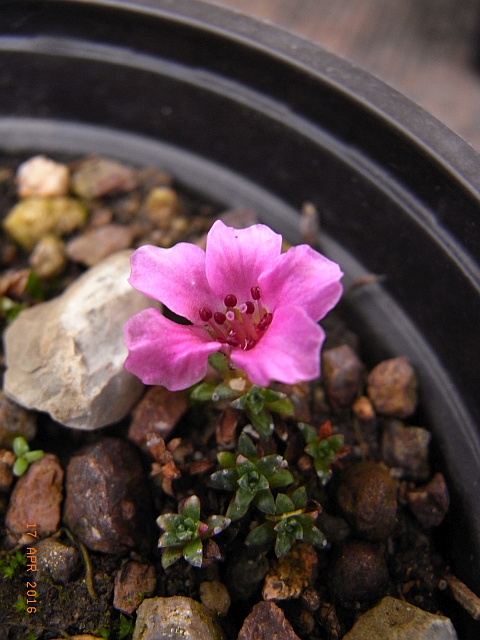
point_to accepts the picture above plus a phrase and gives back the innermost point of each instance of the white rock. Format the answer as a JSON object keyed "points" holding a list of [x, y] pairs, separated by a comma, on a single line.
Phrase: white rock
{"points": [[43, 177], [398, 620], [66, 356]]}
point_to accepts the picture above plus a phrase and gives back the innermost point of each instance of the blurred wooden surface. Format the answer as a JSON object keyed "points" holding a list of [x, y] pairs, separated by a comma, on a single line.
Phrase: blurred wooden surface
{"points": [[424, 48]]}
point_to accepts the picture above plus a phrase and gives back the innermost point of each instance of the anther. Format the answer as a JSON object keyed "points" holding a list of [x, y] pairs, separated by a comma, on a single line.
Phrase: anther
{"points": [[230, 301], [255, 291], [219, 317], [205, 314], [250, 307]]}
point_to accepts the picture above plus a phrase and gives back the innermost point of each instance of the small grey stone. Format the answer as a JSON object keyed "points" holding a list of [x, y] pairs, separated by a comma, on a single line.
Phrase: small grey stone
{"points": [[66, 356], [214, 595], [56, 560], [406, 448], [398, 620], [174, 618]]}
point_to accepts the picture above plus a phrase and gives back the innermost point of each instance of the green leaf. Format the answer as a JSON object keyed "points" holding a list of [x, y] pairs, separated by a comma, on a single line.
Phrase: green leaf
{"points": [[33, 456], [34, 287], [269, 465], [283, 544], [191, 508], [281, 479], [20, 466], [169, 539], [225, 479], [240, 403], [236, 511], [216, 524], [169, 556], [223, 392], [314, 536], [227, 459], [203, 391], [299, 498], [262, 422], [265, 502], [168, 521], [217, 361], [283, 504], [283, 406], [256, 398], [193, 552], [308, 432], [247, 448], [20, 446], [260, 535], [244, 465]]}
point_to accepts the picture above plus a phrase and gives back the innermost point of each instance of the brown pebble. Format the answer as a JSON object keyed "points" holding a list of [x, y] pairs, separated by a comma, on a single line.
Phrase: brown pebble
{"points": [[157, 412], [266, 622], [392, 387], [98, 243], [36, 497], [363, 409], [133, 582], [430, 503], [7, 460], [95, 177], [367, 496], [341, 374], [107, 505], [359, 572], [406, 448]]}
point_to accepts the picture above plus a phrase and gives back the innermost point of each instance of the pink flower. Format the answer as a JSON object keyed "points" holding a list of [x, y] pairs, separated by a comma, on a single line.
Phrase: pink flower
{"points": [[243, 297]]}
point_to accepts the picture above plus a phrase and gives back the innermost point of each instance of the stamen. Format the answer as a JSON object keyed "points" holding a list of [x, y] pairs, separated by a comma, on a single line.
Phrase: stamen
{"points": [[230, 301], [255, 291], [230, 316], [205, 314], [219, 317], [250, 308]]}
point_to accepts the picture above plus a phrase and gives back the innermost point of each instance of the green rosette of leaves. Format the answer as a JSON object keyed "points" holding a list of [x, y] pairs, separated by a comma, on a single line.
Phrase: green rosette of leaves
{"points": [[291, 521], [184, 533], [251, 477]]}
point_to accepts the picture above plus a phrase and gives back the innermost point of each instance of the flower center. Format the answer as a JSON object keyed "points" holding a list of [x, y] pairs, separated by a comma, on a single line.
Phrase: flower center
{"points": [[240, 325]]}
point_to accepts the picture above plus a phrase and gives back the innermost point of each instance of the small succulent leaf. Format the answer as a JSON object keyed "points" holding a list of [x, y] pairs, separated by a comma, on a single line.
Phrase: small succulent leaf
{"points": [[193, 552], [265, 502], [272, 396], [283, 504], [299, 498], [218, 362], [260, 535], [191, 508], [252, 482], [314, 536], [336, 442], [243, 497], [227, 459], [216, 524], [256, 398], [235, 510], [240, 403], [225, 479], [269, 465], [33, 456], [168, 521], [34, 287], [282, 478], [323, 470], [223, 392], [247, 448], [20, 466], [306, 519], [283, 544], [203, 391], [308, 432], [262, 422], [244, 465], [169, 556], [283, 406], [20, 446], [169, 539]]}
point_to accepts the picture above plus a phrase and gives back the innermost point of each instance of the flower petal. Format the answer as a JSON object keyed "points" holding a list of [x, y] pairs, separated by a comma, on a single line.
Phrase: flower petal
{"points": [[165, 353], [288, 352], [236, 257], [176, 277], [304, 278]]}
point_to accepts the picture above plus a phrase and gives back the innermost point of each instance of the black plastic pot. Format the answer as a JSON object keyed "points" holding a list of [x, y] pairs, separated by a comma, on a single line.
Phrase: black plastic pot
{"points": [[251, 115]]}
